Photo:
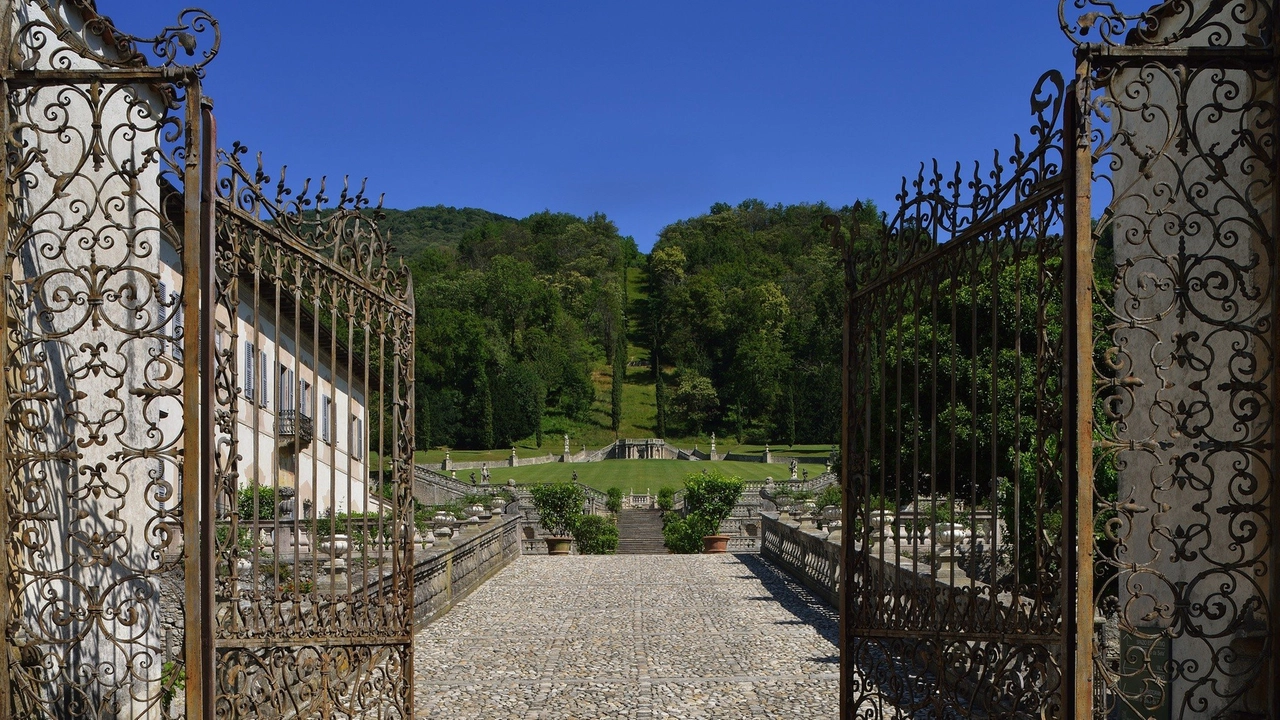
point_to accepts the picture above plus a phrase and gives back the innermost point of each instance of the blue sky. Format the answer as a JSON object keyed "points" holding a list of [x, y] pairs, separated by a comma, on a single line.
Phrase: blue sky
{"points": [[646, 111]]}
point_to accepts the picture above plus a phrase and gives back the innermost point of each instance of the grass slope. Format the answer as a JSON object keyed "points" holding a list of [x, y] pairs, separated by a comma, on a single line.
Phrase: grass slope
{"points": [[633, 475]]}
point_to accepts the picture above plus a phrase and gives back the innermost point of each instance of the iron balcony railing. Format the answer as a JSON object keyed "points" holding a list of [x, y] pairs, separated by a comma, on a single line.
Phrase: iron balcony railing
{"points": [[293, 425]]}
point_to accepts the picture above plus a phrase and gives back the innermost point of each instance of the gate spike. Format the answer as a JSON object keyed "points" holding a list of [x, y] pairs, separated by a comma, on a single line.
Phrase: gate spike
{"points": [[281, 190]]}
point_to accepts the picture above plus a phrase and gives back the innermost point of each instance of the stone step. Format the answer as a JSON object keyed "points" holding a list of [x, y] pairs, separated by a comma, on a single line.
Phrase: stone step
{"points": [[640, 533]]}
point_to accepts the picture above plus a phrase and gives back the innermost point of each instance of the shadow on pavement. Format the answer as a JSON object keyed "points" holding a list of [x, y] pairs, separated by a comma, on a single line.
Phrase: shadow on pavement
{"points": [[794, 597]]}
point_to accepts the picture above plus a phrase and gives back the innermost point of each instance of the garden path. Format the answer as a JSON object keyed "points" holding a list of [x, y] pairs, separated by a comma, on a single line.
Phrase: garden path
{"points": [[632, 636]]}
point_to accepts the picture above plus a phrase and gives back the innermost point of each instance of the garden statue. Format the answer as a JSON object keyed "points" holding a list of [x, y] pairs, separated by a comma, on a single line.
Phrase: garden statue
{"points": [[575, 476], [794, 465], [473, 477], [484, 473], [566, 444], [805, 473], [713, 446]]}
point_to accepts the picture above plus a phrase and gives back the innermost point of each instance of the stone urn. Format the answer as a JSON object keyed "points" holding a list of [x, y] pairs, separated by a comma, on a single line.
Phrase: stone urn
{"points": [[559, 545], [497, 505], [950, 534], [475, 510], [715, 544], [336, 548], [881, 522]]}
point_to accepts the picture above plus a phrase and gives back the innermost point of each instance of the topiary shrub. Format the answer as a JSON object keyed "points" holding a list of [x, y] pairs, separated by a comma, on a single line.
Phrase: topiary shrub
{"points": [[558, 505], [595, 535], [709, 498], [614, 502], [666, 498]]}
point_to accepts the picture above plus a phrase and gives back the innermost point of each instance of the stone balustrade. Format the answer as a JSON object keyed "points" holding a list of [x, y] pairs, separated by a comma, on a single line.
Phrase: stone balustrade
{"points": [[453, 567], [808, 555]]}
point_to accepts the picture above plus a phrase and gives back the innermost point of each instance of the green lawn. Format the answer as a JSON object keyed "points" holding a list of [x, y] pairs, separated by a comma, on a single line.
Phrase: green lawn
{"points": [[633, 475], [806, 453]]}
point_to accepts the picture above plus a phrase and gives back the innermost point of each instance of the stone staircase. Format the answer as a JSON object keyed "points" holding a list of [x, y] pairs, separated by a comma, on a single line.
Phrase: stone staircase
{"points": [[640, 533]]}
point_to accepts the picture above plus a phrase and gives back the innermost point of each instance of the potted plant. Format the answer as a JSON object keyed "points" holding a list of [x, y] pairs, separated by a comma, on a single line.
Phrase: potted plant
{"points": [[709, 498], [558, 506]]}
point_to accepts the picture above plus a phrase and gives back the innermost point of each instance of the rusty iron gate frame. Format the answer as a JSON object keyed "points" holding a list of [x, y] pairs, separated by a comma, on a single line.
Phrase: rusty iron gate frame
{"points": [[1181, 405], [908, 596], [296, 633], [121, 466], [1133, 631]]}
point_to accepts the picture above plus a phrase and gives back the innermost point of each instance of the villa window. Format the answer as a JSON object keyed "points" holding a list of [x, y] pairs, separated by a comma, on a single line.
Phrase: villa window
{"points": [[357, 438], [285, 400], [250, 358], [262, 368], [304, 397], [326, 419]]}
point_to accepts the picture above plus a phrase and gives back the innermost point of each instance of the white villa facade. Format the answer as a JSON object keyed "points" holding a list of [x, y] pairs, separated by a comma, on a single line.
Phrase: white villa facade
{"points": [[301, 420]]}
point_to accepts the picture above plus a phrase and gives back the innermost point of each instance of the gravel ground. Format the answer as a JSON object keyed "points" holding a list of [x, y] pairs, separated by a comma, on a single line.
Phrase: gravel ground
{"points": [[632, 636]]}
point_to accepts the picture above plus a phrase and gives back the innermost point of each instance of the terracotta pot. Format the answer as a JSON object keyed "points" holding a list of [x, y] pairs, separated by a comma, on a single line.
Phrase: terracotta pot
{"points": [[558, 545], [712, 544]]}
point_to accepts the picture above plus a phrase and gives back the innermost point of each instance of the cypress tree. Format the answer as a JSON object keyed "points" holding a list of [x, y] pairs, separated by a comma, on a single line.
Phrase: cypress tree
{"points": [[486, 409], [620, 350], [660, 398], [619, 375]]}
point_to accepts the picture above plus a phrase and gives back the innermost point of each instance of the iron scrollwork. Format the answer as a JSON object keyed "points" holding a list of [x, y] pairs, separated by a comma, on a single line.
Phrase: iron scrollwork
{"points": [[954, 600], [1185, 437], [299, 629], [95, 442]]}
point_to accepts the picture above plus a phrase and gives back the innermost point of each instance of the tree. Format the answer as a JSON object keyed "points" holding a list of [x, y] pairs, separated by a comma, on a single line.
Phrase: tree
{"points": [[659, 398], [484, 401], [619, 357], [693, 401], [619, 377], [520, 400], [559, 505]]}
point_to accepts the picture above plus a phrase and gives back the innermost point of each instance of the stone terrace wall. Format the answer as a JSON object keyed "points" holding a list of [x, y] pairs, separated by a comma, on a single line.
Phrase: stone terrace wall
{"points": [[451, 569], [810, 556]]}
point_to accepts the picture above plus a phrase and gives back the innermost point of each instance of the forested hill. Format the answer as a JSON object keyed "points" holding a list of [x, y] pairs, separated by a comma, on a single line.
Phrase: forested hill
{"points": [[520, 323], [412, 231], [745, 315], [512, 318]]}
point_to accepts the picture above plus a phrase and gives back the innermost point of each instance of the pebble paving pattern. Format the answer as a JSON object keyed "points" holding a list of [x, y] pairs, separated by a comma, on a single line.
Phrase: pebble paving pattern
{"points": [[632, 636]]}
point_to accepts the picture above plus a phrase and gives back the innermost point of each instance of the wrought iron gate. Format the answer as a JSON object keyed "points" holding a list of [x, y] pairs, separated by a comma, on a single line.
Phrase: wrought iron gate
{"points": [[1184, 583], [314, 345], [955, 437], [207, 513], [1058, 455]]}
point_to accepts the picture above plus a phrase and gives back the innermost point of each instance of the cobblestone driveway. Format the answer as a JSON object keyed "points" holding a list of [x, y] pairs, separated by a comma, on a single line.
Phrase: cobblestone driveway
{"points": [[632, 636]]}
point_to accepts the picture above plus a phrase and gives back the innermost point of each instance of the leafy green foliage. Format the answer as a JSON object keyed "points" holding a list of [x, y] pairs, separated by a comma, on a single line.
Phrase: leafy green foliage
{"points": [[709, 498], [659, 399], [830, 495], [614, 503], [559, 505], [684, 534], [595, 535], [666, 498], [414, 231], [256, 501], [512, 316], [711, 494], [747, 303]]}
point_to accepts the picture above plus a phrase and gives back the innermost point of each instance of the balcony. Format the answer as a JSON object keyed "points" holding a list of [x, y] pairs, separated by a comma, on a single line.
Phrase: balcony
{"points": [[294, 428]]}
